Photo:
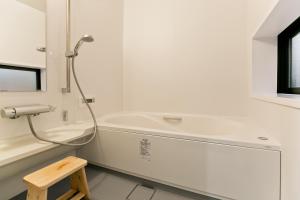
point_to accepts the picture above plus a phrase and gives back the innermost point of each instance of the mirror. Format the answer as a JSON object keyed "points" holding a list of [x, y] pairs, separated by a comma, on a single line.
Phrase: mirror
{"points": [[23, 45]]}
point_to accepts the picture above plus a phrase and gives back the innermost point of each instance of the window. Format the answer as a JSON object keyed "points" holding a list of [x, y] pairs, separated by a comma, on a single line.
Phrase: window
{"points": [[15, 78], [288, 78]]}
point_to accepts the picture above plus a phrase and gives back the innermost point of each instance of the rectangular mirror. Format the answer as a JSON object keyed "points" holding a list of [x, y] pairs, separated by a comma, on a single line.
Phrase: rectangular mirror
{"points": [[23, 45]]}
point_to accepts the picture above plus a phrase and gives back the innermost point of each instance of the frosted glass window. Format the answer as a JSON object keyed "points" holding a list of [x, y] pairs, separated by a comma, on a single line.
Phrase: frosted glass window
{"points": [[18, 80], [288, 76], [295, 61]]}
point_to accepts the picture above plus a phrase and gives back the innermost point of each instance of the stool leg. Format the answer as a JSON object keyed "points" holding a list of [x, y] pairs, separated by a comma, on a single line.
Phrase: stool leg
{"points": [[35, 193], [79, 182]]}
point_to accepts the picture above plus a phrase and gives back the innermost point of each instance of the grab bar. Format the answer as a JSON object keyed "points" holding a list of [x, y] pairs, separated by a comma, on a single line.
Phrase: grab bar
{"points": [[172, 118]]}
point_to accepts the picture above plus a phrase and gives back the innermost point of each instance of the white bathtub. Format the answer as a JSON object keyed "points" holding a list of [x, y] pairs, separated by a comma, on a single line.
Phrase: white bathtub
{"points": [[221, 157]]}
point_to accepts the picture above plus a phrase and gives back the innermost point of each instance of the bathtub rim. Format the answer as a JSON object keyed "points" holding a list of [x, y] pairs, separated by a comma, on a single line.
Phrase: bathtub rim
{"points": [[248, 141]]}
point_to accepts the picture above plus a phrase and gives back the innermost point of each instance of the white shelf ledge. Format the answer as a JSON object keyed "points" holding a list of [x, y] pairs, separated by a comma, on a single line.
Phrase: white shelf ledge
{"points": [[16, 148], [292, 101]]}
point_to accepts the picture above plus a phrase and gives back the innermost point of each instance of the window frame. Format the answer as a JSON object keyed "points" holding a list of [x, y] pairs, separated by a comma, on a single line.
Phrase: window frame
{"points": [[19, 68], [284, 59]]}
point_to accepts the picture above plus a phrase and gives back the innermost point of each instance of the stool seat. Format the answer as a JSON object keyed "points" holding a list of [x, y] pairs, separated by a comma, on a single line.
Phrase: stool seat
{"points": [[55, 172], [39, 181]]}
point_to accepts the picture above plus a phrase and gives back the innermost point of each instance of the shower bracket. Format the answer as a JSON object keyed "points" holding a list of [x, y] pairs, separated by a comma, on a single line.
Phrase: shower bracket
{"points": [[67, 89]]}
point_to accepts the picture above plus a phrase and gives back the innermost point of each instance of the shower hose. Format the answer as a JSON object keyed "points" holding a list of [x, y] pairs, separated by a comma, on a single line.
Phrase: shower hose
{"points": [[88, 106]]}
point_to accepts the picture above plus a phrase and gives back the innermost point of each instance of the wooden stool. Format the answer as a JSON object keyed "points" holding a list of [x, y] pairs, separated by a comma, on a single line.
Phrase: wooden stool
{"points": [[38, 182]]}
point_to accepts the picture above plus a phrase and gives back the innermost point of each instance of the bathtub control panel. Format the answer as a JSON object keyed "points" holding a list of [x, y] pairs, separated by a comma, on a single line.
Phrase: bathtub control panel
{"points": [[145, 149]]}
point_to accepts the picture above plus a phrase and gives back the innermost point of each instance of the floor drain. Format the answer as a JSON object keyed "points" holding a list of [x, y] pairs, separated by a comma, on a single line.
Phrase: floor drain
{"points": [[263, 138], [141, 192]]}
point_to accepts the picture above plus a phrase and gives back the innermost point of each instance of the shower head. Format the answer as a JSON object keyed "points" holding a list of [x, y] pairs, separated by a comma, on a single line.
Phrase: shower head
{"points": [[85, 38]]}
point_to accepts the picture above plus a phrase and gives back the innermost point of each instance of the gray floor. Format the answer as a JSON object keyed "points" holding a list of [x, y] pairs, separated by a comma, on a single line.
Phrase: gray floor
{"points": [[109, 185]]}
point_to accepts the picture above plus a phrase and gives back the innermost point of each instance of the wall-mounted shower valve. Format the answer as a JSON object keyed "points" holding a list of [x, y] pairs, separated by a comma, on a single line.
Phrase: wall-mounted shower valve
{"points": [[89, 100]]}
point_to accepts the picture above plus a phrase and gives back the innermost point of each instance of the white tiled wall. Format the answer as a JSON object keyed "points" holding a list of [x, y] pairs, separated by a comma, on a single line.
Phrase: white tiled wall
{"points": [[185, 56]]}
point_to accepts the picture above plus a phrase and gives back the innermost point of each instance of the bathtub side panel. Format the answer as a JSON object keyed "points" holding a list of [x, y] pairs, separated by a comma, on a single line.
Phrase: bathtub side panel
{"points": [[226, 171]]}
